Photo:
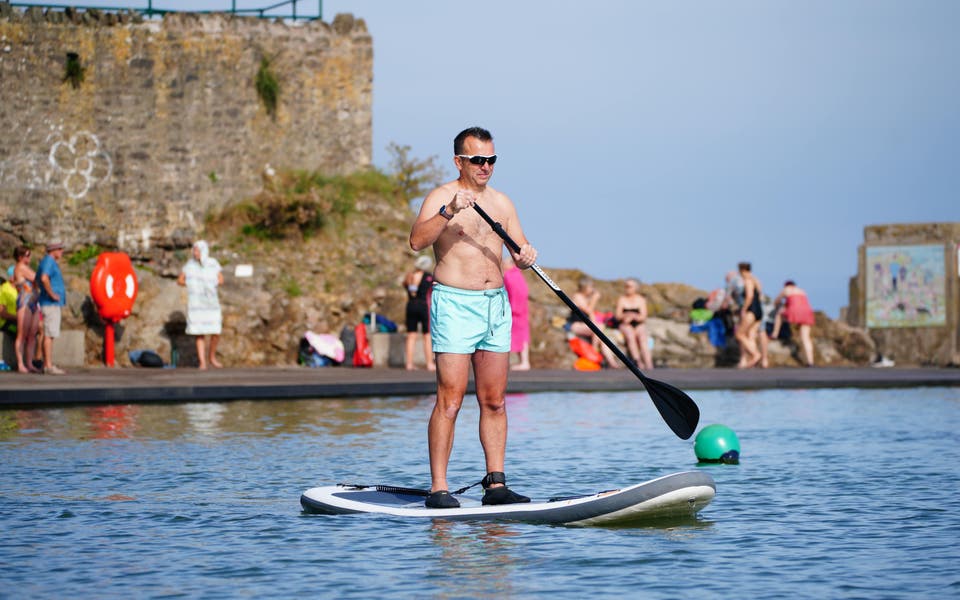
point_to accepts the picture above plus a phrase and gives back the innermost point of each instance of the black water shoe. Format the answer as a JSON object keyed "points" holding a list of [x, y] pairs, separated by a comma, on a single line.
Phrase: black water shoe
{"points": [[441, 499], [503, 495], [499, 495]]}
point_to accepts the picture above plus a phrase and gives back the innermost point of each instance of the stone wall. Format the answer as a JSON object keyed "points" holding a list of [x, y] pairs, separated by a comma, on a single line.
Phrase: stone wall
{"points": [[937, 343], [166, 123]]}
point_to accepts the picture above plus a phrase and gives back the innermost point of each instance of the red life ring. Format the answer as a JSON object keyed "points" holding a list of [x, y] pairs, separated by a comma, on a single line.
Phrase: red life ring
{"points": [[113, 286]]}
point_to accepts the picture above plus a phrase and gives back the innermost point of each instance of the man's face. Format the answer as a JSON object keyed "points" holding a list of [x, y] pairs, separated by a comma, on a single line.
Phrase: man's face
{"points": [[478, 175]]}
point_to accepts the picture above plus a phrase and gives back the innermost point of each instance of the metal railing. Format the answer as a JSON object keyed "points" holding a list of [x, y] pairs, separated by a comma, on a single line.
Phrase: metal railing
{"points": [[265, 12]]}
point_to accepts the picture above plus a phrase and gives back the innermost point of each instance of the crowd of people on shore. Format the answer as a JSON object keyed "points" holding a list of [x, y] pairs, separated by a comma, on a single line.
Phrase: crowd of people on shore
{"points": [[32, 301], [739, 313], [753, 319], [30, 308]]}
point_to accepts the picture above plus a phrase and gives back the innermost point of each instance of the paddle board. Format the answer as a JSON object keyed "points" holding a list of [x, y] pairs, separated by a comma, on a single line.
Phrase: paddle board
{"points": [[676, 495]]}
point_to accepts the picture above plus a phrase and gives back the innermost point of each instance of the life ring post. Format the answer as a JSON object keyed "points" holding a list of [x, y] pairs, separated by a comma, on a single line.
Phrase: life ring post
{"points": [[113, 287]]}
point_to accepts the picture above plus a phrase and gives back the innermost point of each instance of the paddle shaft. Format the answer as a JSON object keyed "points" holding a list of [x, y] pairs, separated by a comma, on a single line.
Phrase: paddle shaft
{"points": [[498, 229]]}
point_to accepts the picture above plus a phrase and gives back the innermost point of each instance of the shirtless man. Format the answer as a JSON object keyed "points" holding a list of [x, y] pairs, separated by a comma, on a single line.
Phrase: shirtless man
{"points": [[469, 313]]}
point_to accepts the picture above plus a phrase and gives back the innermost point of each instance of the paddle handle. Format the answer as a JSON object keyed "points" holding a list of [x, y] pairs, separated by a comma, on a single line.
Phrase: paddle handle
{"points": [[498, 229]]}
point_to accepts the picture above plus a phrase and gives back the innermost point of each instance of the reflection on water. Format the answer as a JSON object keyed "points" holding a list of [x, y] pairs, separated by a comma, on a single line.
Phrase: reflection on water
{"points": [[205, 417], [471, 552], [355, 417], [112, 421]]}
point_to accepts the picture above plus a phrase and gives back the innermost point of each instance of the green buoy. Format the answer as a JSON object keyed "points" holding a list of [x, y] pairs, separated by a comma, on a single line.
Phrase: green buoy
{"points": [[717, 444]]}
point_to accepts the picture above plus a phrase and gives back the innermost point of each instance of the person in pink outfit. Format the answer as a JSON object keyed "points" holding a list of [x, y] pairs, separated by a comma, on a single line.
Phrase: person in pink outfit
{"points": [[517, 294], [797, 311]]}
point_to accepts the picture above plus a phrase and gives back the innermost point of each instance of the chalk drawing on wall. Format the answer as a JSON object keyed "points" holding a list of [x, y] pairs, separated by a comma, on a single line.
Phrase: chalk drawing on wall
{"points": [[906, 286], [80, 162]]}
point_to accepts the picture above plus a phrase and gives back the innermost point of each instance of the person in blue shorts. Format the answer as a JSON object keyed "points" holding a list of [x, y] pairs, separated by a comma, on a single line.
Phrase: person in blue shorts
{"points": [[470, 318]]}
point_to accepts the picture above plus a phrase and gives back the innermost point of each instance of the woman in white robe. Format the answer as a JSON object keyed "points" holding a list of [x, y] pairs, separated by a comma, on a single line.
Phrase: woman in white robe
{"points": [[202, 276]]}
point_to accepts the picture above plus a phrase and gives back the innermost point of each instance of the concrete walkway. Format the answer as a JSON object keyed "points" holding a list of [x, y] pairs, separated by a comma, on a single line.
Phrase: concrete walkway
{"points": [[131, 385]]}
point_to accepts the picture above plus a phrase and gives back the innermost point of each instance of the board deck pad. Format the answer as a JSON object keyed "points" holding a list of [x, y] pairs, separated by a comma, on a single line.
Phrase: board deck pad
{"points": [[675, 495]]}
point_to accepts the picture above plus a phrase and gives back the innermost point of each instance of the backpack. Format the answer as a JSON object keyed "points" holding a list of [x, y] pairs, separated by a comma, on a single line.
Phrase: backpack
{"points": [[349, 339], [146, 358]]}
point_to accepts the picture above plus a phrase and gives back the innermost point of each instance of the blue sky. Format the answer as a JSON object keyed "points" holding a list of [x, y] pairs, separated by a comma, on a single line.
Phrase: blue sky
{"points": [[669, 140]]}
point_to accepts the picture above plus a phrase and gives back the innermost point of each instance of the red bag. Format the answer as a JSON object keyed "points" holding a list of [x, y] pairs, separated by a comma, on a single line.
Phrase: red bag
{"points": [[362, 356], [582, 348], [583, 364]]}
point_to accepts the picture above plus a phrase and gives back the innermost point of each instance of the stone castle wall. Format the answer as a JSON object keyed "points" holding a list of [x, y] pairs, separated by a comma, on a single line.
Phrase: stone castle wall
{"points": [[167, 123]]}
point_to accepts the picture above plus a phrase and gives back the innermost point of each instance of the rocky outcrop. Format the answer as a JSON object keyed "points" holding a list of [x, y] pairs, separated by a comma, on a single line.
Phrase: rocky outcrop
{"points": [[329, 281]]}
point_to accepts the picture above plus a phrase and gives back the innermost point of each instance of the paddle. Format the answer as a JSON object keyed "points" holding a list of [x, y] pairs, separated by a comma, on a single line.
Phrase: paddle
{"points": [[677, 409]]}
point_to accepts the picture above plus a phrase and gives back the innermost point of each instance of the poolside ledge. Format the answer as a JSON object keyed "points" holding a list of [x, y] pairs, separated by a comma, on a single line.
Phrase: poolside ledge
{"points": [[132, 385]]}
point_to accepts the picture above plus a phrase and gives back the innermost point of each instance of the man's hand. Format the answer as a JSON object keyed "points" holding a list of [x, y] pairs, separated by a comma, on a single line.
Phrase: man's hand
{"points": [[462, 200], [526, 257]]}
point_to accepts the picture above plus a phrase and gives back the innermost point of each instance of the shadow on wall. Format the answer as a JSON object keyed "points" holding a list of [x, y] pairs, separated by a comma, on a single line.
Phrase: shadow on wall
{"points": [[183, 348], [97, 327]]}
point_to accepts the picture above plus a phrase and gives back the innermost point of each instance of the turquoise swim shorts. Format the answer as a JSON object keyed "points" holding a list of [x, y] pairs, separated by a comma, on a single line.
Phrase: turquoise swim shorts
{"points": [[464, 321]]}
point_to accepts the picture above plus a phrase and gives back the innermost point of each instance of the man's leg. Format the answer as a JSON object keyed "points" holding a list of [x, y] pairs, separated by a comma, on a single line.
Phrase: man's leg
{"points": [[490, 370], [48, 352], [452, 373]]}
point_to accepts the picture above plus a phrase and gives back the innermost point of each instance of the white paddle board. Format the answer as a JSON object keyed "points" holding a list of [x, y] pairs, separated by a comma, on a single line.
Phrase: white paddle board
{"points": [[676, 495]]}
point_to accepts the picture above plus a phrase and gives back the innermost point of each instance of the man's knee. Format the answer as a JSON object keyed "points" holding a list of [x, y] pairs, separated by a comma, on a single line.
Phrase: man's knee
{"points": [[448, 405], [493, 400]]}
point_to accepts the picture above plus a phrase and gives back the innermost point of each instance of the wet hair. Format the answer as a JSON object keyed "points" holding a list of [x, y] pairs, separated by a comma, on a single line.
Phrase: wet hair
{"points": [[478, 132], [19, 252], [788, 282], [744, 266]]}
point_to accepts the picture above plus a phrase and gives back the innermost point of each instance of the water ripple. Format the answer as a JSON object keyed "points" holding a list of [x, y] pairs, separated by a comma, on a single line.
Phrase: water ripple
{"points": [[840, 493]]}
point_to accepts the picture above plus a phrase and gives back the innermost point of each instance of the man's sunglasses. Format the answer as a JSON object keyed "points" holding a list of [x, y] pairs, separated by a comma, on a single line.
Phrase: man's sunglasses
{"points": [[479, 159]]}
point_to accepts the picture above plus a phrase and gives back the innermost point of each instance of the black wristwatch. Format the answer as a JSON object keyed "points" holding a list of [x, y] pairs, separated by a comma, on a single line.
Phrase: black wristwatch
{"points": [[444, 213]]}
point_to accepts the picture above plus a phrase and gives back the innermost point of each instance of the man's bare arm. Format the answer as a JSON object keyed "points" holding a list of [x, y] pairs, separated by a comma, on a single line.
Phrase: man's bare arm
{"points": [[528, 254], [430, 223]]}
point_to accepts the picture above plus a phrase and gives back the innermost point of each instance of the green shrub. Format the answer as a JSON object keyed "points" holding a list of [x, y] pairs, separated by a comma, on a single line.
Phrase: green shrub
{"points": [[73, 71], [304, 203], [84, 254], [292, 287], [268, 88]]}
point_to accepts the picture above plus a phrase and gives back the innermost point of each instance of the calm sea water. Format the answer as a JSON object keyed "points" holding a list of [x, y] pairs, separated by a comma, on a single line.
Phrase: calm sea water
{"points": [[840, 494]]}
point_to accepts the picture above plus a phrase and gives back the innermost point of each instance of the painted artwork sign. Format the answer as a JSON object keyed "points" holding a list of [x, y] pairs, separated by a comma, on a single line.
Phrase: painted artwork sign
{"points": [[906, 286]]}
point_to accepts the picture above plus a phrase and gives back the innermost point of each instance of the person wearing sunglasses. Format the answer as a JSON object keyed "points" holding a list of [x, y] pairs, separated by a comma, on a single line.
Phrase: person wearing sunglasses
{"points": [[470, 317]]}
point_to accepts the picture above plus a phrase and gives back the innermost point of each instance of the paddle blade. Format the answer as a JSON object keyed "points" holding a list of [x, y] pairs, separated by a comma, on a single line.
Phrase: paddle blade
{"points": [[676, 407]]}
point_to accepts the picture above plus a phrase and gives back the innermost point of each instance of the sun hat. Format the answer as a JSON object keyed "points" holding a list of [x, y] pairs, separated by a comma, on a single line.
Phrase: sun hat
{"points": [[54, 245]]}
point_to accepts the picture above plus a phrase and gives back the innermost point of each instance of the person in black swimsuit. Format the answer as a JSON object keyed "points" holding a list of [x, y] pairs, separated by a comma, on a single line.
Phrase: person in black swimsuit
{"points": [[418, 284], [631, 314], [751, 313]]}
